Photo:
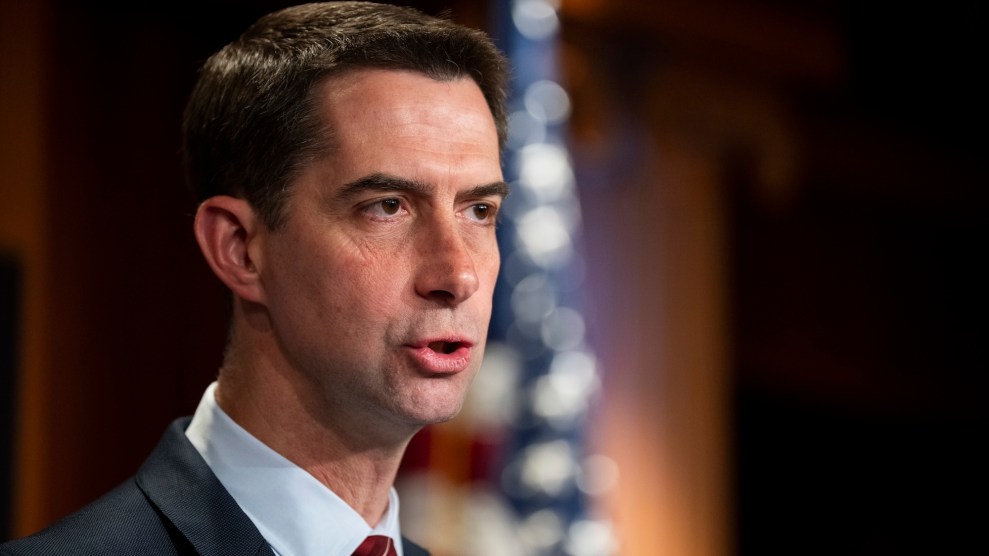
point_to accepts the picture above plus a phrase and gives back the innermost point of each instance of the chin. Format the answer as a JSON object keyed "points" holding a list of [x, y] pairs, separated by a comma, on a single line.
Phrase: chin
{"points": [[423, 416], [433, 411], [433, 400], [442, 418]]}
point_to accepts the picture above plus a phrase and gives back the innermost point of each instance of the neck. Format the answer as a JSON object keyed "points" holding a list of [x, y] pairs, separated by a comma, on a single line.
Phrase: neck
{"points": [[351, 454]]}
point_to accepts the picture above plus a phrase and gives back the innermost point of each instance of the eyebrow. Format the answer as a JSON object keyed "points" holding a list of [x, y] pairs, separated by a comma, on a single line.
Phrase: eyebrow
{"points": [[380, 181]]}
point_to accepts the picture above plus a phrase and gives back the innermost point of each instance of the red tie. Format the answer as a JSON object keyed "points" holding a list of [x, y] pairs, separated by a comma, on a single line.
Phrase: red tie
{"points": [[376, 545]]}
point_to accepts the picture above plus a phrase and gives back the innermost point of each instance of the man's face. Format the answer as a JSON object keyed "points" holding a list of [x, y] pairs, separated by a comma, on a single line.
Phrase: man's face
{"points": [[379, 284]]}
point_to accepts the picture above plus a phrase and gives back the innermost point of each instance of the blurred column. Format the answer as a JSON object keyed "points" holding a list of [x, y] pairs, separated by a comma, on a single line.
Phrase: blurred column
{"points": [[660, 287], [650, 175], [24, 26]]}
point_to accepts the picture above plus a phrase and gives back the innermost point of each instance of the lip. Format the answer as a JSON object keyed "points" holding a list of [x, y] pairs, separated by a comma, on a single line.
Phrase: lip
{"points": [[441, 356]]}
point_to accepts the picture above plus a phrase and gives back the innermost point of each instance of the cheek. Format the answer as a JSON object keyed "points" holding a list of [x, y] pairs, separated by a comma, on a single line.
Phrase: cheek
{"points": [[373, 282], [488, 262], [306, 279], [370, 296]]}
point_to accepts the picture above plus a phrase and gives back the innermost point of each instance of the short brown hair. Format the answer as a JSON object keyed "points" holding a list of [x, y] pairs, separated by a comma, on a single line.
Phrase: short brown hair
{"points": [[251, 122]]}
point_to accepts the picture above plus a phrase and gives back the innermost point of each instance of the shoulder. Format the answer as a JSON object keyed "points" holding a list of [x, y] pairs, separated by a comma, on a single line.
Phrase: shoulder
{"points": [[121, 522], [173, 506]]}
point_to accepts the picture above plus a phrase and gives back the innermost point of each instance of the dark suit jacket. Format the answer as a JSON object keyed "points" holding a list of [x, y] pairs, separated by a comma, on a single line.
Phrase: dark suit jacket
{"points": [[174, 505]]}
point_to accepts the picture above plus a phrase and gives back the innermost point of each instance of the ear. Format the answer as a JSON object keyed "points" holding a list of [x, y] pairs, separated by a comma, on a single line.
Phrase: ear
{"points": [[226, 228]]}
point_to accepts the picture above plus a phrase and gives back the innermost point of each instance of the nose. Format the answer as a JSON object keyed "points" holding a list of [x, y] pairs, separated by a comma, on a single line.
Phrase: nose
{"points": [[446, 272]]}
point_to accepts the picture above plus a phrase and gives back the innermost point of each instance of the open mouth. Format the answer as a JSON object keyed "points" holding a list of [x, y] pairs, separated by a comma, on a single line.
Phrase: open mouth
{"points": [[445, 347], [442, 357]]}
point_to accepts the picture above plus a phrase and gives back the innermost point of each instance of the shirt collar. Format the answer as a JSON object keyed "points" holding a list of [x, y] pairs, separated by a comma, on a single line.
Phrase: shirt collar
{"points": [[295, 513]]}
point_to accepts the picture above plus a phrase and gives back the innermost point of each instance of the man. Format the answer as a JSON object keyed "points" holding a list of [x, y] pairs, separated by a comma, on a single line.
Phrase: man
{"points": [[346, 158]]}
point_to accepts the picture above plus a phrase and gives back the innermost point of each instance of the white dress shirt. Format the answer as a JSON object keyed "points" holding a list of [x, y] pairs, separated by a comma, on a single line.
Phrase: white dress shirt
{"points": [[295, 513]]}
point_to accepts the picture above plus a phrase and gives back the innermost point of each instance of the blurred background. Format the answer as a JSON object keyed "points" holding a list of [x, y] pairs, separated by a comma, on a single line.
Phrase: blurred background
{"points": [[741, 309]]}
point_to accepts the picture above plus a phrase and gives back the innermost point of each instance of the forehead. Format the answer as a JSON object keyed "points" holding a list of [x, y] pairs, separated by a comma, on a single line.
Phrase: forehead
{"points": [[369, 108]]}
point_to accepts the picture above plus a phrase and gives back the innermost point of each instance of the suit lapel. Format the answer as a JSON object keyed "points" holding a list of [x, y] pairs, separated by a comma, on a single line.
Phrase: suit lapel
{"points": [[410, 548], [177, 481]]}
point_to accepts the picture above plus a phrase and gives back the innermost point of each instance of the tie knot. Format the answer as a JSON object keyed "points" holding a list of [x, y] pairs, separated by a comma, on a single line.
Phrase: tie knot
{"points": [[376, 545]]}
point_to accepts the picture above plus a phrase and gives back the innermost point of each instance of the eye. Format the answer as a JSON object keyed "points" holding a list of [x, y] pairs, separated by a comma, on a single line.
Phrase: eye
{"points": [[385, 208], [391, 206], [481, 212]]}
